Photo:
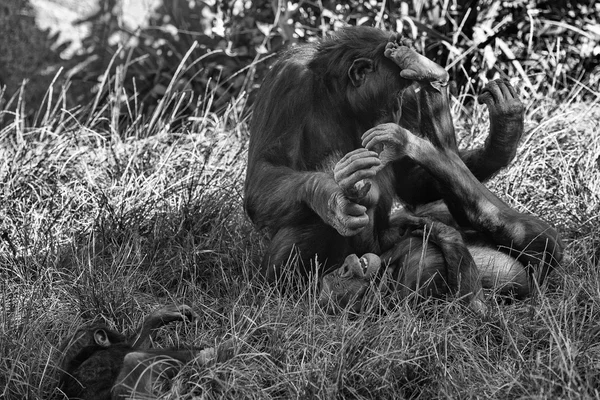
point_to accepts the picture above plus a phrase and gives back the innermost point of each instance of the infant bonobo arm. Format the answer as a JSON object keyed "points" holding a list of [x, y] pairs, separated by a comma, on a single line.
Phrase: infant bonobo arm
{"points": [[159, 318]]}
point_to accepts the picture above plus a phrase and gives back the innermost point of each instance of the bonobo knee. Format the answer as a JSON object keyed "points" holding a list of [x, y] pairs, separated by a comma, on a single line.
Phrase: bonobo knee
{"points": [[540, 244], [421, 268], [303, 248]]}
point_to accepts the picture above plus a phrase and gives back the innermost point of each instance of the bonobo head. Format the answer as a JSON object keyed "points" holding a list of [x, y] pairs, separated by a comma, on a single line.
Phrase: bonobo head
{"points": [[346, 286], [353, 68], [368, 69], [85, 341]]}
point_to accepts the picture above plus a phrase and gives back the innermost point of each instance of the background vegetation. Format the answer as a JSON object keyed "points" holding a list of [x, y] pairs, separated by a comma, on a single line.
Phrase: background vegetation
{"points": [[121, 184]]}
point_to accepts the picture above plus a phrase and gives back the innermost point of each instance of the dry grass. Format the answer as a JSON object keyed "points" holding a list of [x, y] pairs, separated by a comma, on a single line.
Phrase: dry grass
{"points": [[102, 221]]}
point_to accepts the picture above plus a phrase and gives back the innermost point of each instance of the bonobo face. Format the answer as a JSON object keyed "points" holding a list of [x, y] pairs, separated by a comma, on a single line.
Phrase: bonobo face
{"points": [[346, 286]]}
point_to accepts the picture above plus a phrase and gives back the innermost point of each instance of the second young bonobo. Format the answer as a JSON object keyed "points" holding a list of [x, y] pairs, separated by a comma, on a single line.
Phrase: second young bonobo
{"points": [[343, 127], [101, 364]]}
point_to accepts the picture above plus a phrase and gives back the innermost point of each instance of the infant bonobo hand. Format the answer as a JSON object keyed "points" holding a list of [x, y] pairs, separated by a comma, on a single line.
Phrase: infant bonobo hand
{"points": [[389, 140], [345, 287], [352, 174]]}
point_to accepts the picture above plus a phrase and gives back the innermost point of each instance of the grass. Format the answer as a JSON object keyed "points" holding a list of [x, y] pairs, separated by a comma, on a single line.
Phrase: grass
{"points": [[105, 220]]}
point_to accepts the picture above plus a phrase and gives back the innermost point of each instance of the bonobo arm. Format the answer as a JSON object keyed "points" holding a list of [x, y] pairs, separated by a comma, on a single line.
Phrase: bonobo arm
{"points": [[506, 128], [277, 196], [428, 114], [415, 185], [526, 238]]}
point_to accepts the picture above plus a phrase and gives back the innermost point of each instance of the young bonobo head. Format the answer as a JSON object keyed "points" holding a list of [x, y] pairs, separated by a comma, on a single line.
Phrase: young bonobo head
{"points": [[345, 287]]}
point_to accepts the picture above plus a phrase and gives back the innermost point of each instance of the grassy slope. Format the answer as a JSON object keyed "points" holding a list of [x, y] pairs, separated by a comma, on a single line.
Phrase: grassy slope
{"points": [[104, 226]]}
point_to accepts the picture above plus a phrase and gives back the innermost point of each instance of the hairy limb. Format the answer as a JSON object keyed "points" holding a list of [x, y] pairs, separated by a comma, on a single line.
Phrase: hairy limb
{"points": [[143, 372], [159, 318], [527, 238], [275, 196], [506, 128], [460, 270], [352, 172], [426, 112]]}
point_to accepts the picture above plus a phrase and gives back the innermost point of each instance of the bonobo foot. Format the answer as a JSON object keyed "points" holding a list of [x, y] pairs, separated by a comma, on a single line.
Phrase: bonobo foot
{"points": [[346, 286], [506, 122], [413, 65]]}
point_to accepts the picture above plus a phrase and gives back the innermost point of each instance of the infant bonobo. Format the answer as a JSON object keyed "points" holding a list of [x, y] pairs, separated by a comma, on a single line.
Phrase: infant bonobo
{"points": [[99, 363]]}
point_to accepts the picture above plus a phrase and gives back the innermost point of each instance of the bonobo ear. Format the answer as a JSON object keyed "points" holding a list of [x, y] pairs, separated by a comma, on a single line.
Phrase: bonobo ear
{"points": [[101, 338], [359, 69]]}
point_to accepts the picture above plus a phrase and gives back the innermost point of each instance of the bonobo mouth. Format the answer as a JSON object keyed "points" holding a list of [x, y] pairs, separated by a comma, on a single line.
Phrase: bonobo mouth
{"points": [[364, 264]]}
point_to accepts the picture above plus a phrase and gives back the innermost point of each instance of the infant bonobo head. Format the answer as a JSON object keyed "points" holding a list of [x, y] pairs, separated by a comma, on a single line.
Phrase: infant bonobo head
{"points": [[345, 287]]}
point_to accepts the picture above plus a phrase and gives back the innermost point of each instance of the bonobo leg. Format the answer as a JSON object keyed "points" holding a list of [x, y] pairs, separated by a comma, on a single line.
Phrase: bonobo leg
{"points": [[497, 271], [159, 318], [144, 372], [315, 240], [304, 244], [430, 258], [525, 237]]}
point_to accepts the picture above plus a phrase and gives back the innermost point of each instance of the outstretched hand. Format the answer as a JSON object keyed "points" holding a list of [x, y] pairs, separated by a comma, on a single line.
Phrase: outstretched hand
{"points": [[506, 121], [390, 141]]}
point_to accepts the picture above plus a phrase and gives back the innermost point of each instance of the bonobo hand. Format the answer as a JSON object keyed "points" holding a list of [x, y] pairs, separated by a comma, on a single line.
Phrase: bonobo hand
{"points": [[414, 66], [389, 140], [172, 313], [506, 121], [347, 217], [352, 174], [346, 286]]}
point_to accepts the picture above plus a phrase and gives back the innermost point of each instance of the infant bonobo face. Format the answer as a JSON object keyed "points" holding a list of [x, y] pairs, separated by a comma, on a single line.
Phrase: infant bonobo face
{"points": [[346, 286]]}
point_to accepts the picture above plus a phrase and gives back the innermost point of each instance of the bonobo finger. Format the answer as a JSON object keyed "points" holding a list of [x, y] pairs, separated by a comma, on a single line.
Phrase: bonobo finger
{"points": [[506, 93], [377, 141], [357, 192], [371, 134], [342, 172], [494, 89], [485, 97], [354, 209], [359, 153], [394, 130], [354, 178], [511, 90], [355, 224]]}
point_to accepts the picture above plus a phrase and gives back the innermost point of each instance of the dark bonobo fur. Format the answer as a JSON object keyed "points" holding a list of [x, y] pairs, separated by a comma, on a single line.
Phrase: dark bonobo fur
{"points": [[344, 127]]}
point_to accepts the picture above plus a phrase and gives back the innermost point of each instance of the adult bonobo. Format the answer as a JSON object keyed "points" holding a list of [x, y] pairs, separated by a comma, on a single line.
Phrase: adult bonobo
{"points": [[342, 128]]}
